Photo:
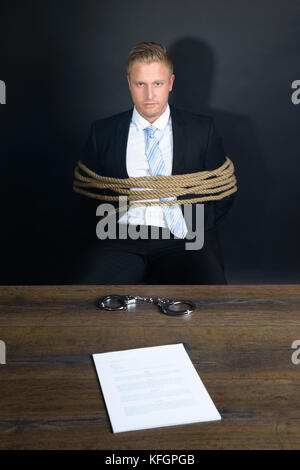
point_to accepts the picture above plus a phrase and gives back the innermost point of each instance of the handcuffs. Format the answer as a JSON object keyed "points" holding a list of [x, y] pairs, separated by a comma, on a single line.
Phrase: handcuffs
{"points": [[121, 302]]}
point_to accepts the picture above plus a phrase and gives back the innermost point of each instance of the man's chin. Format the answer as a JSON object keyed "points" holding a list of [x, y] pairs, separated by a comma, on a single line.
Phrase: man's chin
{"points": [[151, 113]]}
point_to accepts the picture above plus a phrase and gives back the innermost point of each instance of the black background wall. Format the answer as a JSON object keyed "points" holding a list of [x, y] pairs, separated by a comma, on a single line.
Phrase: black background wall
{"points": [[63, 63]]}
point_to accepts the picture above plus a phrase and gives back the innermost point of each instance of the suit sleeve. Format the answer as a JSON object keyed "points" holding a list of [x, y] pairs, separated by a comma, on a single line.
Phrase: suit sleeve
{"points": [[89, 153], [214, 158], [85, 206]]}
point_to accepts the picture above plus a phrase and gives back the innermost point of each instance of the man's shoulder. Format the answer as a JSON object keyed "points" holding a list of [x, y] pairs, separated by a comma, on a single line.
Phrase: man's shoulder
{"points": [[191, 118], [113, 120]]}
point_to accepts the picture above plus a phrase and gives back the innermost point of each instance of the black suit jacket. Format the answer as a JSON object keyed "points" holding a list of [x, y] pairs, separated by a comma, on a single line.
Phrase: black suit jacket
{"points": [[196, 147]]}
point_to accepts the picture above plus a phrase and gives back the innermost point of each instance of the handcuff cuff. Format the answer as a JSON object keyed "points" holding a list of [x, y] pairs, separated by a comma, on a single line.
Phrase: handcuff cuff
{"points": [[121, 302]]}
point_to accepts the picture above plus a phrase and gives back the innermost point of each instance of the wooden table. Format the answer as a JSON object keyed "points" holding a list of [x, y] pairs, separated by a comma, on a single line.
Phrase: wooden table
{"points": [[239, 340]]}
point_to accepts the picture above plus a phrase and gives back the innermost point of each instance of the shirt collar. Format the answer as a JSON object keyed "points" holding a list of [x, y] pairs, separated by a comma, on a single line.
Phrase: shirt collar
{"points": [[160, 123]]}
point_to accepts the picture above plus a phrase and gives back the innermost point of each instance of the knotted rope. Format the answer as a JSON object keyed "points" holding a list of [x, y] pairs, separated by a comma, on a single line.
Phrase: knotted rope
{"points": [[207, 185]]}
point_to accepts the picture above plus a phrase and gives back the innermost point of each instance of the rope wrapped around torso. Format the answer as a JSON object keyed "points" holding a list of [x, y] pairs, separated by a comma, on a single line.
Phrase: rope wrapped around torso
{"points": [[210, 185]]}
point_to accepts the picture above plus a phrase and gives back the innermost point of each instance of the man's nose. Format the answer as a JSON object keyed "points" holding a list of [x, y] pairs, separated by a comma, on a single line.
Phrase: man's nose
{"points": [[150, 92]]}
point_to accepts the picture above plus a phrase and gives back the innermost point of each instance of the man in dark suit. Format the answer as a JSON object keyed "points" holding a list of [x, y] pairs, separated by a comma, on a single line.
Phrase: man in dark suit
{"points": [[120, 147]]}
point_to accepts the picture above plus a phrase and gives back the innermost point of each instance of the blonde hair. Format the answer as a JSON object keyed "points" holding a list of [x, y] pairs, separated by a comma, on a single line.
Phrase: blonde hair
{"points": [[148, 52]]}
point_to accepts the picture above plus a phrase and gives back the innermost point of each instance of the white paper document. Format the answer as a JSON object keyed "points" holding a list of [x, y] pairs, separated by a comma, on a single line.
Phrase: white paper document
{"points": [[152, 387]]}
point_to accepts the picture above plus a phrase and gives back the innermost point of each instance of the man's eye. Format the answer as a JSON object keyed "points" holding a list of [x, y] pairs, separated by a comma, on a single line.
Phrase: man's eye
{"points": [[139, 84], [158, 83]]}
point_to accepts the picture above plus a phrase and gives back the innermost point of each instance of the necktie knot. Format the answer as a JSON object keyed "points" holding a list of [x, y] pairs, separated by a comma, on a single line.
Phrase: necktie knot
{"points": [[150, 131]]}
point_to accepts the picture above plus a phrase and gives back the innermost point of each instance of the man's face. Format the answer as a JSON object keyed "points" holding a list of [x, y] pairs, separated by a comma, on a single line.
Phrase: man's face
{"points": [[150, 85]]}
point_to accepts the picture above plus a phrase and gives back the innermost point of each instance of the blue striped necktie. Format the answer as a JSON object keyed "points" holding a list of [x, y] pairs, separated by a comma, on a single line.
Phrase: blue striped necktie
{"points": [[173, 213]]}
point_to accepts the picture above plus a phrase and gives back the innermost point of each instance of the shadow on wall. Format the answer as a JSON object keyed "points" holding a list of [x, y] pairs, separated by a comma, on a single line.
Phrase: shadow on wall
{"points": [[242, 231]]}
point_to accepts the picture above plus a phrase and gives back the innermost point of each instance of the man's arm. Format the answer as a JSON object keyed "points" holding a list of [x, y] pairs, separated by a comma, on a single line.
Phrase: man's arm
{"points": [[89, 154], [214, 158], [85, 206]]}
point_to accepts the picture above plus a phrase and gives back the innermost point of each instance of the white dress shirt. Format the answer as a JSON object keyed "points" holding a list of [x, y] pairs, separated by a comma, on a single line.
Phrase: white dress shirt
{"points": [[137, 164]]}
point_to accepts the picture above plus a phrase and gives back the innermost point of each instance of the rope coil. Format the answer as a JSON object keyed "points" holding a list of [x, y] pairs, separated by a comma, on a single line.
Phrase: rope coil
{"points": [[207, 185]]}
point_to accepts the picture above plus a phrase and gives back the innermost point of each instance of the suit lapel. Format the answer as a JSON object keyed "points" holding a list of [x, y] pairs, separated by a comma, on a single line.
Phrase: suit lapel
{"points": [[120, 169], [179, 141]]}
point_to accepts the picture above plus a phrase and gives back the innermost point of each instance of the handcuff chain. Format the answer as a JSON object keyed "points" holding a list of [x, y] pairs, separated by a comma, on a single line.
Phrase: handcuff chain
{"points": [[154, 300], [148, 300]]}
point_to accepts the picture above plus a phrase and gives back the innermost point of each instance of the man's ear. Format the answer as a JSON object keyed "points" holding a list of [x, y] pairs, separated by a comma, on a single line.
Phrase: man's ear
{"points": [[128, 80], [172, 78]]}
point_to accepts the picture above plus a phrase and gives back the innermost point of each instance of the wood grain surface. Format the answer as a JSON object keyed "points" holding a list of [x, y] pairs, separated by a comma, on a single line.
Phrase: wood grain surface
{"points": [[239, 340]]}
